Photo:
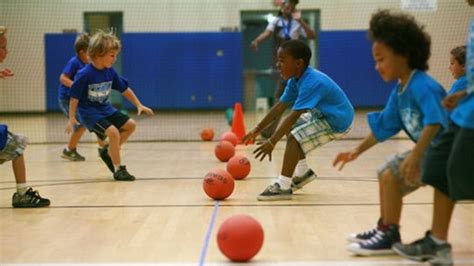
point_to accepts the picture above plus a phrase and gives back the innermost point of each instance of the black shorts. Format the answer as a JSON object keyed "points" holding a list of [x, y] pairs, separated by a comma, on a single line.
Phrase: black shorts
{"points": [[449, 165], [117, 120]]}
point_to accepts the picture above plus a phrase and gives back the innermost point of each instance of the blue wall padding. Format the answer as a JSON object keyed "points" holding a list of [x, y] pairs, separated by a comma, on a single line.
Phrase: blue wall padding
{"points": [[184, 70], [59, 48], [346, 56]]}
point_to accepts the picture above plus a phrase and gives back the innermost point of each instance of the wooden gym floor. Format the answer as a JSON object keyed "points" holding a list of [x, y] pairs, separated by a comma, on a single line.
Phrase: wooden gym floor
{"points": [[164, 217]]}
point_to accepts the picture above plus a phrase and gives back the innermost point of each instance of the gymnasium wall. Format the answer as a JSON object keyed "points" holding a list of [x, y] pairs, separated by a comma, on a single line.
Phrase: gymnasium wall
{"points": [[28, 21]]}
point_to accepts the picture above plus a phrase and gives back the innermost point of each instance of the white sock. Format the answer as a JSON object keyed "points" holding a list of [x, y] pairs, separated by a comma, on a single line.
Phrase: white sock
{"points": [[284, 181], [117, 166], [437, 240], [21, 188], [301, 168]]}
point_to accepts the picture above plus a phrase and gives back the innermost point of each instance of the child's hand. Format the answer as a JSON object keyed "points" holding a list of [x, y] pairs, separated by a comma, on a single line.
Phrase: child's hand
{"points": [[5, 73], [410, 169], [345, 157], [264, 149], [143, 108], [451, 101], [250, 137], [70, 125]]}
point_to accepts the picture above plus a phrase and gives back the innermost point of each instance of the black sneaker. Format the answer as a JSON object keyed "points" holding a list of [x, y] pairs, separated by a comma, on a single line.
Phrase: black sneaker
{"points": [[298, 182], [426, 249], [380, 244], [360, 237], [274, 192], [104, 155], [31, 199], [72, 155], [123, 175]]}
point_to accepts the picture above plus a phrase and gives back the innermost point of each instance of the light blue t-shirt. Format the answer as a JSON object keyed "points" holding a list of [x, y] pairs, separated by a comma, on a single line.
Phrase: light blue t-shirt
{"points": [[459, 85], [92, 88], [315, 89], [410, 109], [463, 114], [72, 67]]}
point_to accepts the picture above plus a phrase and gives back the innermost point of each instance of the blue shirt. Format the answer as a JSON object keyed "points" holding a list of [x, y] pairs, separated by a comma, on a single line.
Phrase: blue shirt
{"points": [[3, 136], [463, 114], [92, 88], [315, 89], [410, 109], [459, 85], [72, 67]]}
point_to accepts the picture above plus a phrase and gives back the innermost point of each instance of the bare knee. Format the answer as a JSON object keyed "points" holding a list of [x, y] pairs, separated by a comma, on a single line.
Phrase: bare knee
{"points": [[112, 133], [387, 179], [129, 126]]}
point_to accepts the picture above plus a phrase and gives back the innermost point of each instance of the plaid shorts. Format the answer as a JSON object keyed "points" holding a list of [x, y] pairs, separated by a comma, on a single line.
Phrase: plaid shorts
{"points": [[15, 147], [393, 164], [311, 130]]}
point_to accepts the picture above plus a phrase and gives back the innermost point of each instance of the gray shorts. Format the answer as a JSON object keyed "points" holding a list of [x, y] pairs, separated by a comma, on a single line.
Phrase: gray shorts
{"points": [[393, 164], [14, 147]]}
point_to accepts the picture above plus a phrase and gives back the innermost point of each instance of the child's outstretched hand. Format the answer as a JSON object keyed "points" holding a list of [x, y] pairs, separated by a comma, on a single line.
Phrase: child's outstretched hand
{"points": [[142, 108], [345, 157], [451, 101], [70, 125], [263, 150], [250, 137], [6, 73]]}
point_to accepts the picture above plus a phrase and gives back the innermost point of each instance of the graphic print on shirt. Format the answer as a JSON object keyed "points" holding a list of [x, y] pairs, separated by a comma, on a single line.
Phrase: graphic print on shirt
{"points": [[99, 92], [411, 119]]}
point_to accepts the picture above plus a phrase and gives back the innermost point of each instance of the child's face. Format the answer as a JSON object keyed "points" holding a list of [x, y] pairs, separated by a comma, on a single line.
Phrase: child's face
{"points": [[3, 48], [107, 60], [287, 9], [287, 64], [457, 70], [84, 56], [389, 64]]}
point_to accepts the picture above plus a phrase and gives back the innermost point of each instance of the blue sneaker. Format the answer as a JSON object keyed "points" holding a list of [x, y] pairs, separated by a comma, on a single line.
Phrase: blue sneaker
{"points": [[360, 237], [379, 244]]}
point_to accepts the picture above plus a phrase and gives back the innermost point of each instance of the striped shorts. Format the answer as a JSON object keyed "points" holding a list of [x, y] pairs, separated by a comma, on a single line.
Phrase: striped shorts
{"points": [[16, 145], [311, 130]]}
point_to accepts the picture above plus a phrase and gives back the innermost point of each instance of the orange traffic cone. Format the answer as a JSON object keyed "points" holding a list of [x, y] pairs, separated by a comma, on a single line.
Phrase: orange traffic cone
{"points": [[238, 125]]}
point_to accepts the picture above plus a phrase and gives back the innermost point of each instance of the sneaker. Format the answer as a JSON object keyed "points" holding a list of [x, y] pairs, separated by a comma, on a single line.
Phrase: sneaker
{"points": [[299, 182], [72, 155], [104, 155], [380, 244], [123, 175], [360, 237], [274, 192], [31, 199], [426, 249]]}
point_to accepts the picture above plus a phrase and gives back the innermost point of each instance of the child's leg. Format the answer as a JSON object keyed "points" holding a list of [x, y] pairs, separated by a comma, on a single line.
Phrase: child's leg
{"points": [[391, 198], [75, 137], [19, 169], [114, 144], [293, 154], [443, 208], [126, 130]]}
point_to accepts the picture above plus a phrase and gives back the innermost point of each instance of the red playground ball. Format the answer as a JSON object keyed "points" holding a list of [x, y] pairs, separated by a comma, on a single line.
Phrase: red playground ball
{"points": [[239, 167], [230, 137], [207, 134], [224, 150], [240, 238], [218, 184]]}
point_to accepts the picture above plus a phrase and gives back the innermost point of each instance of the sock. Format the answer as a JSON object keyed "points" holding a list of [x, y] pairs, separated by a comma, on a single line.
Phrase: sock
{"points": [[284, 181], [437, 240], [301, 168], [21, 188], [117, 166]]}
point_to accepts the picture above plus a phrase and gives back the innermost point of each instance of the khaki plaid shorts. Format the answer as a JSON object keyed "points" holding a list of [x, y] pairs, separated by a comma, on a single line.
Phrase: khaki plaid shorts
{"points": [[16, 145], [311, 130]]}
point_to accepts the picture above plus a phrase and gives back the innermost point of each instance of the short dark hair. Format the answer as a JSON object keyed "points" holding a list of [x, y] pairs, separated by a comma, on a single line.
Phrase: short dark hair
{"points": [[459, 54], [297, 49], [81, 43], [403, 35]]}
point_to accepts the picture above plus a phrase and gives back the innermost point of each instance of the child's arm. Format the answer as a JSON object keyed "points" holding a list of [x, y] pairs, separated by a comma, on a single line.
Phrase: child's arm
{"points": [[451, 101], [130, 95], [310, 34], [260, 38], [410, 167], [72, 115], [267, 147], [274, 112], [65, 80], [345, 157]]}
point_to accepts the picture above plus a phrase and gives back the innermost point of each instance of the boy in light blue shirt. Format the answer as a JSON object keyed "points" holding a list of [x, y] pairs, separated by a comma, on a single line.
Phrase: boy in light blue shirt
{"points": [[320, 113]]}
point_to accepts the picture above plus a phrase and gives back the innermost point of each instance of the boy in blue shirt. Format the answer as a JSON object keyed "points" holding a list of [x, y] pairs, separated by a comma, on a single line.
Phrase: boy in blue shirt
{"points": [[12, 147], [401, 49], [90, 98], [449, 169], [66, 79], [320, 113]]}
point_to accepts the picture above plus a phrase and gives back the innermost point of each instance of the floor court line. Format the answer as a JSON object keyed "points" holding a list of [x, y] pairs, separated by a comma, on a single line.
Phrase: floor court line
{"points": [[202, 258]]}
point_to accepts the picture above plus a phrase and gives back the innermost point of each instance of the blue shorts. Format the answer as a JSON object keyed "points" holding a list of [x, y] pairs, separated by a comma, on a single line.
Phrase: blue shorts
{"points": [[64, 105]]}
